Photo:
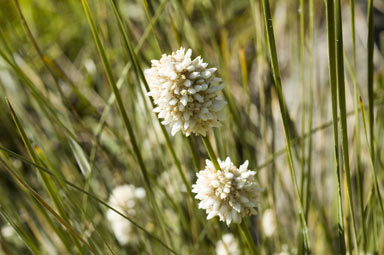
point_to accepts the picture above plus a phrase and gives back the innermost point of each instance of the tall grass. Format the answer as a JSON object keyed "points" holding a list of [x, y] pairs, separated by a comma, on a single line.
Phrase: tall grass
{"points": [[304, 86]]}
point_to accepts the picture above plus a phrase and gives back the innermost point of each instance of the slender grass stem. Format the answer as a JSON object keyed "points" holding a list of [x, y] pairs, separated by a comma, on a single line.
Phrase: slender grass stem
{"points": [[333, 81], [211, 152], [248, 237], [276, 74], [360, 187], [359, 174], [310, 106], [370, 78], [375, 178], [303, 90], [195, 157], [342, 109], [303, 175]]}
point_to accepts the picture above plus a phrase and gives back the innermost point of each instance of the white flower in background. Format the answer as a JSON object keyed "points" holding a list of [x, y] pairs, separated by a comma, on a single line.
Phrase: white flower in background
{"points": [[227, 246], [8, 231], [284, 250], [230, 193], [269, 223], [186, 93], [125, 199]]}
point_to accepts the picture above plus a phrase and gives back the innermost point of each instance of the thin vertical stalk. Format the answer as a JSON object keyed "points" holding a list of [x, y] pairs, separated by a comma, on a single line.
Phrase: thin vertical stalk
{"points": [[211, 152], [332, 76], [375, 179], [195, 157], [370, 78], [359, 173], [359, 181], [371, 104], [307, 196], [276, 75], [303, 89], [303, 110], [248, 237], [343, 113], [303, 175], [352, 11]]}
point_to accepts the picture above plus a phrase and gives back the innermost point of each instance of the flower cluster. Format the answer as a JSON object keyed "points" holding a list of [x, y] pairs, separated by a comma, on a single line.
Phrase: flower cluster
{"points": [[186, 93], [230, 193], [227, 246], [125, 199]]}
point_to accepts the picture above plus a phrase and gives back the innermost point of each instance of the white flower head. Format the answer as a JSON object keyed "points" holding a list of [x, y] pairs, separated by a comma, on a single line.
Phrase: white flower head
{"points": [[227, 246], [269, 223], [186, 93], [8, 231], [125, 199], [230, 193]]}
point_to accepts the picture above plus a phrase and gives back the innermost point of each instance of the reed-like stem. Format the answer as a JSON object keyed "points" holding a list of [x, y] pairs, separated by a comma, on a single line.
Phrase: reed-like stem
{"points": [[211, 152], [343, 111], [284, 114], [333, 82], [248, 237], [370, 79]]}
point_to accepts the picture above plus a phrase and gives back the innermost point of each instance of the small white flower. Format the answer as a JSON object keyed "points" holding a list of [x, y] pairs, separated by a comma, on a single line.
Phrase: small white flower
{"points": [[8, 231], [230, 193], [125, 199], [186, 93], [227, 246], [269, 223], [284, 250]]}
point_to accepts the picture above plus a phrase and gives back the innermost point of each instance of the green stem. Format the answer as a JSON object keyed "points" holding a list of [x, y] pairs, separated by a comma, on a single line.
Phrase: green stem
{"points": [[195, 157], [342, 109], [370, 78], [210, 151], [284, 114], [248, 237], [332, 76]]}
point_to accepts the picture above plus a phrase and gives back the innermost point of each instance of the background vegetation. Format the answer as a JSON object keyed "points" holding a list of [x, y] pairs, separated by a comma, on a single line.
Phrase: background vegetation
{"points": [[64, 144]]}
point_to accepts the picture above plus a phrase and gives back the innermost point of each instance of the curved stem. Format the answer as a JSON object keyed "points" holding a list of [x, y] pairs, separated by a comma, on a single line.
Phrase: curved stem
{"points": [[210, 151], [248, 237]]}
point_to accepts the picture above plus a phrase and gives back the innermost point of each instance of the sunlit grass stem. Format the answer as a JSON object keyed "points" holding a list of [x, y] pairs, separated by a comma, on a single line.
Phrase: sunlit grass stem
{"points": [[343, 111], [276, 74]]}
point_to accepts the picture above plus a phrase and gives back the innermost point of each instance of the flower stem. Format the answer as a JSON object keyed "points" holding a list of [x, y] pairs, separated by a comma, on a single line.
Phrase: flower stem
{"points": [[210, 151], [248, 237]]}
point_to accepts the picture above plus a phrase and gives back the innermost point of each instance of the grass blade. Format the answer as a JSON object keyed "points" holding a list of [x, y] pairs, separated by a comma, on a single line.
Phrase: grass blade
{"points": [[343, 113], [333, 81], [276, 74]]}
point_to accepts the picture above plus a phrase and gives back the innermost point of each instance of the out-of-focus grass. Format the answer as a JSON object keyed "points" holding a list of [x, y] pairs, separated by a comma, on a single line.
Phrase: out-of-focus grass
{"points": [[85, 123]]}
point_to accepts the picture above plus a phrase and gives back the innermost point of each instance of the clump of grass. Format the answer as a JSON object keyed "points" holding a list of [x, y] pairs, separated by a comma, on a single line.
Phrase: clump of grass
{"points": [[77, 122]]}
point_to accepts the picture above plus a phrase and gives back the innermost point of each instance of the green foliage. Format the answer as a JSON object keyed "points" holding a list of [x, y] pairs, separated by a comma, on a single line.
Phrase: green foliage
{"points": [[76, 121]]}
